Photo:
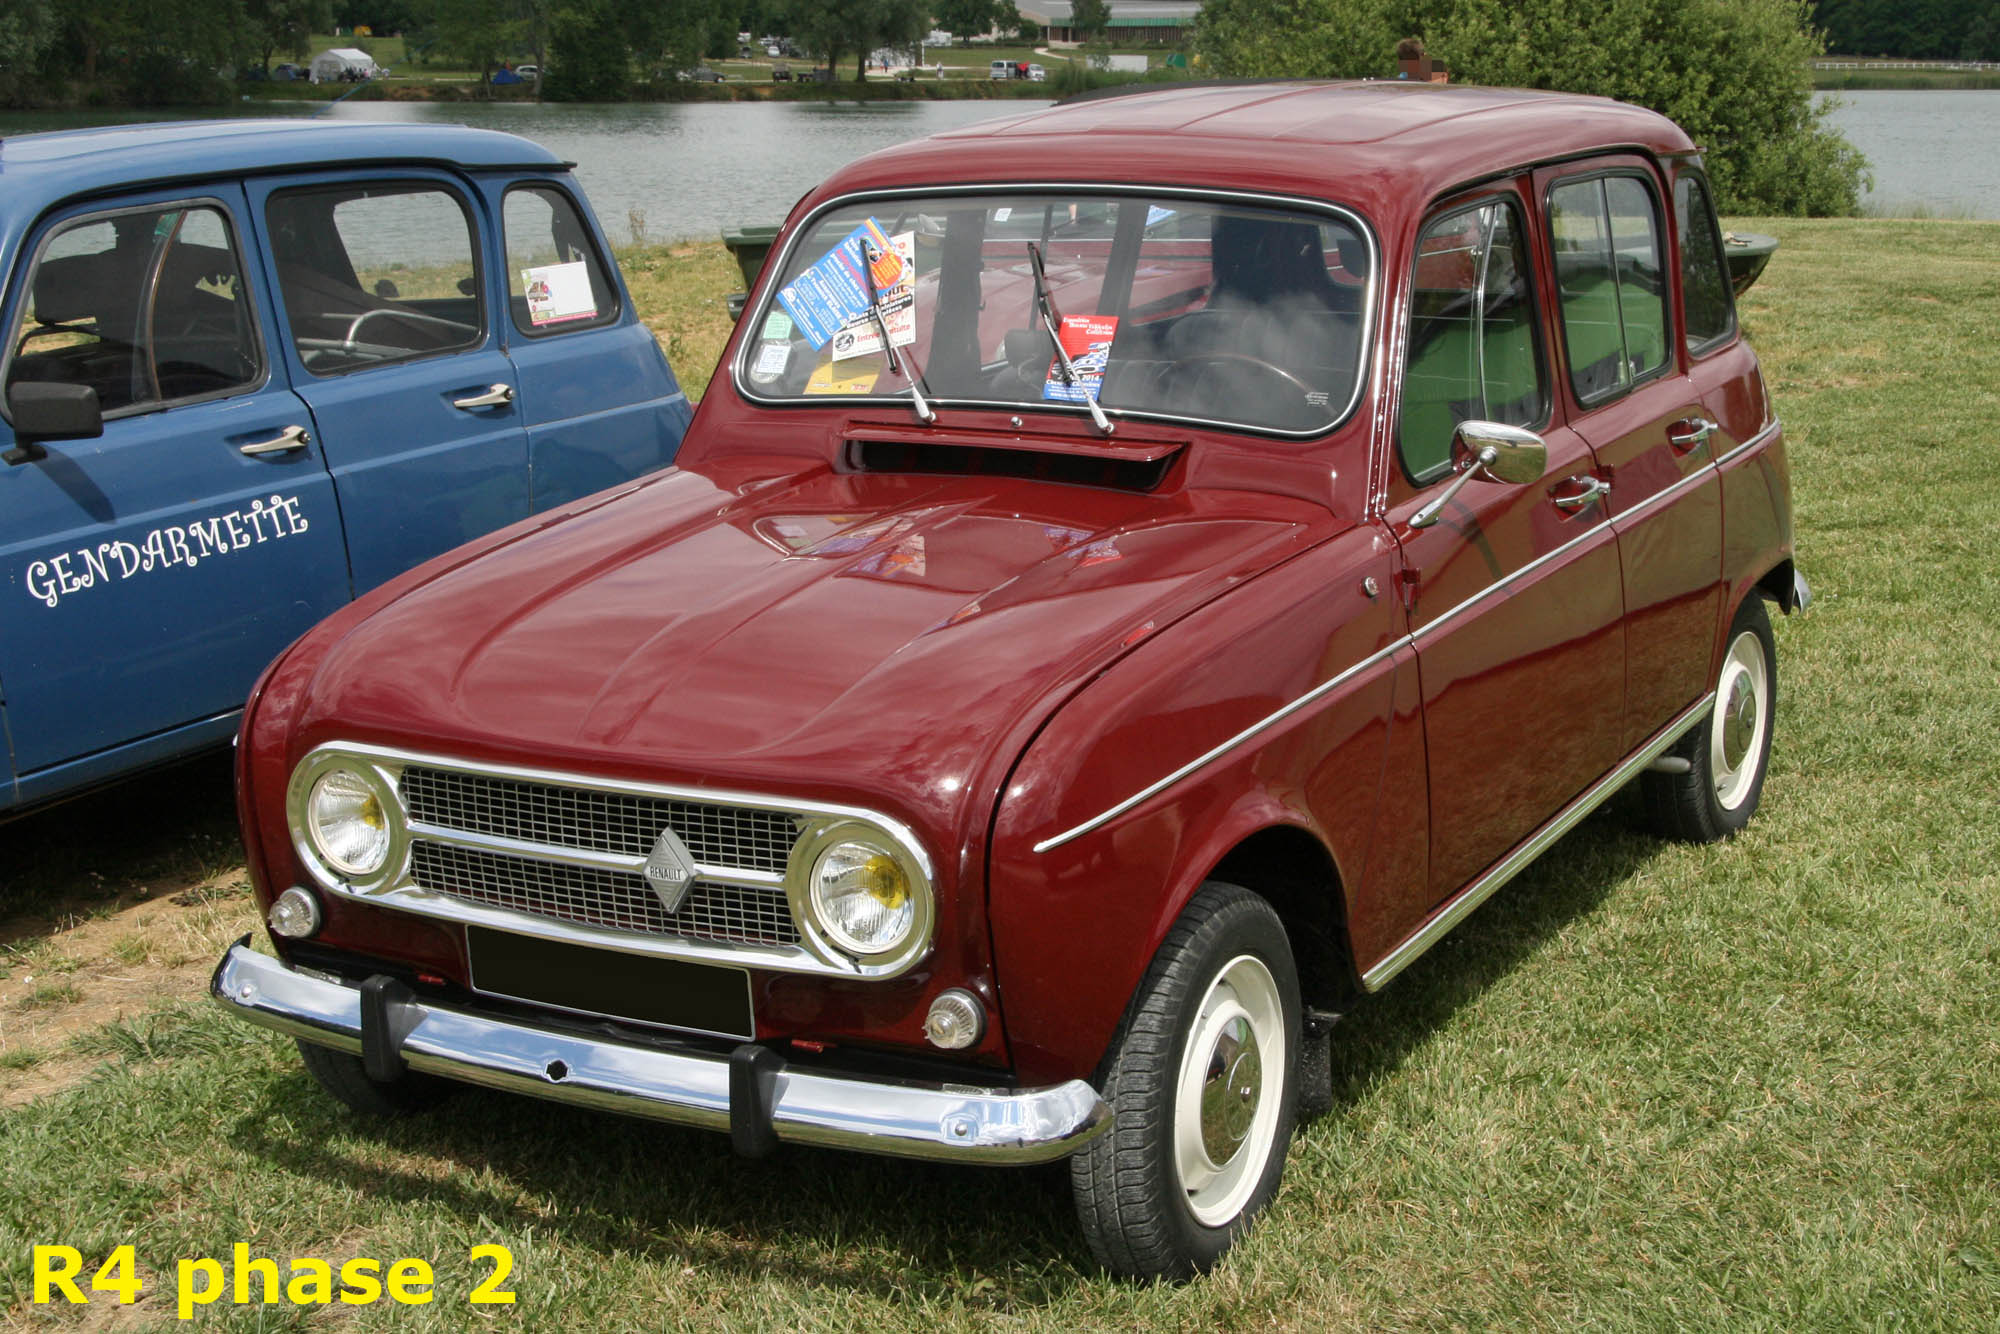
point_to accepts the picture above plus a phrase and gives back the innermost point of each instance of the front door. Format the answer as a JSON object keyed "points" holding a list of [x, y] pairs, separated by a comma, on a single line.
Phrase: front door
{"points": [[1513, 590], [151, 573]]}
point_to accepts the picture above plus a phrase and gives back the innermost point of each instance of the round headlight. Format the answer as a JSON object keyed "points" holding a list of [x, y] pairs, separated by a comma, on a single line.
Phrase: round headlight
{"points": [[863, 898], [346, 822]]}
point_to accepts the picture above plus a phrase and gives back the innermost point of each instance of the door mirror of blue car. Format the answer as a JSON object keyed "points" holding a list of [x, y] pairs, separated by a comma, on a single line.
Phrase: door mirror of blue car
{"points": [[50, 412]]}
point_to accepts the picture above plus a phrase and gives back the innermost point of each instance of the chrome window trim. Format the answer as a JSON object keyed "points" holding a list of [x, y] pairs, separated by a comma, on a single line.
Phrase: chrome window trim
{"points": [[1371, 300], [392, 886]]}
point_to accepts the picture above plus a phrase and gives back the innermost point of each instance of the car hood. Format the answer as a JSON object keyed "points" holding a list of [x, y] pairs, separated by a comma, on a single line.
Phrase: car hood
{"points": [[886, 640]]}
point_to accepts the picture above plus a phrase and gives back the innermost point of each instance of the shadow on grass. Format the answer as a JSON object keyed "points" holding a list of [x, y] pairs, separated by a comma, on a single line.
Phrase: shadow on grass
{"points": [[892, 1228]]}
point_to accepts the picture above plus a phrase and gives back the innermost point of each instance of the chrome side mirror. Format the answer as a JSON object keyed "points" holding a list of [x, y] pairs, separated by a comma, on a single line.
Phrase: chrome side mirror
{"points": [[1493, 452]]}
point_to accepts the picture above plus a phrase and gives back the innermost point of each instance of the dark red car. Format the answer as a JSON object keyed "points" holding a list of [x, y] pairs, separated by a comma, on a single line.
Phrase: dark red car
{"points": [[1277, 515]]}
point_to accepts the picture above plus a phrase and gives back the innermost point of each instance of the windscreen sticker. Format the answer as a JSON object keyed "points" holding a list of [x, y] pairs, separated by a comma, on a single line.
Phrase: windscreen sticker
{"points": [[50, 581], [772, 359], [1155, 215], [834, 290], [559, 292], [846, 378], [1087, 339], [899, 309], [905, 558], [777, 325]]}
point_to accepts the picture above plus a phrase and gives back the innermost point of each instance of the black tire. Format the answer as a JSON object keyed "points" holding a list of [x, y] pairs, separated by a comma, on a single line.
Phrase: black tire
{"points": [[1139, 1216], [345, 1078], [1729, 751]]}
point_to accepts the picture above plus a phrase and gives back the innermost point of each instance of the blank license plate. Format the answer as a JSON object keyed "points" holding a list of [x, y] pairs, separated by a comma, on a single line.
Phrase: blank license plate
{"points": [[669, 992]]}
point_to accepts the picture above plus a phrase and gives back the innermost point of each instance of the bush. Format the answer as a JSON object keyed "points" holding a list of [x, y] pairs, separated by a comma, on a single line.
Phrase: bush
{"points": [[1735, 74]]}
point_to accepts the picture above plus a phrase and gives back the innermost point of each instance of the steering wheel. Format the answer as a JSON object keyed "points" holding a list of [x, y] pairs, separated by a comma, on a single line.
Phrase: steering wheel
{"points": [[1202, 360]]}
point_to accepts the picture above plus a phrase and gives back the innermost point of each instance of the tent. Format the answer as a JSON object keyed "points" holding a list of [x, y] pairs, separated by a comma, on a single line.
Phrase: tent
{"points": [[343, 62]]}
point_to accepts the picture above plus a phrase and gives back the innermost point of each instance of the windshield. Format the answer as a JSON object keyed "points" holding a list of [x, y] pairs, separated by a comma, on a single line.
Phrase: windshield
{"points": [[1203, 309]]}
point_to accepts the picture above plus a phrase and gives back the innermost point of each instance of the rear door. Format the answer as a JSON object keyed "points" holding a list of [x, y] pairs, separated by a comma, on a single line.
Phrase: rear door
{"points": [[597, 398], [388, 328], [147, 576]]}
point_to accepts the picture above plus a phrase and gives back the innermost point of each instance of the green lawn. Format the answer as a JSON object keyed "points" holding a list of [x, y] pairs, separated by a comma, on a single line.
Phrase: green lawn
{"points": [[1649, 1087]]}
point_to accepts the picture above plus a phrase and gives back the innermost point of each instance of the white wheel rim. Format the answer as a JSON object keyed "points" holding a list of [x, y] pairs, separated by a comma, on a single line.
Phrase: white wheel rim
{"points": [[1229, 1091], [1742, 717]]}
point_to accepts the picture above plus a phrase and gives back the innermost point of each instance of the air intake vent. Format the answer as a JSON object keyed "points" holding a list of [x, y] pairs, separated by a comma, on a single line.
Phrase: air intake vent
{"points": [[989, 461]]}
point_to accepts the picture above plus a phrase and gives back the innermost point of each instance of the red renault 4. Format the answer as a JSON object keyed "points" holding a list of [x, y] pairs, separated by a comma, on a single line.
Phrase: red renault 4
{"points": [[1143, 571]]}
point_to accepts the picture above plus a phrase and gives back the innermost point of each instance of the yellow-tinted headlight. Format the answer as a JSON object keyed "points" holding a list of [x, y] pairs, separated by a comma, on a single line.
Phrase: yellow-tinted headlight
{"points": [[346, 822], [862, 898]]}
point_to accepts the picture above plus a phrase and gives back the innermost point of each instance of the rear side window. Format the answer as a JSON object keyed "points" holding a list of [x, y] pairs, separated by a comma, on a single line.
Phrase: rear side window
{"points": [[1606, 241], [376, 274], [147, 306], [1474, 351], [555, 280], [1711, 313]]}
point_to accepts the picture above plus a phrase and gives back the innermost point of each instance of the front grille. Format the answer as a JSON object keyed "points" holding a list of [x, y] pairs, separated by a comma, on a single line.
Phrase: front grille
{"points": [[575, 817], [738, 914]]}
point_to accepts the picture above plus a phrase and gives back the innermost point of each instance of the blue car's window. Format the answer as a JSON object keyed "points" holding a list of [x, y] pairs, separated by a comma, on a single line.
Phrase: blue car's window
{"points": [[555, 280], [375, 274], [147, 306]]}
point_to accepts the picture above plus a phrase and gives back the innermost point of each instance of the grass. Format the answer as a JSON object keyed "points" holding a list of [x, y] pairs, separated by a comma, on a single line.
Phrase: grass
{"points": [[1648, 1087]]}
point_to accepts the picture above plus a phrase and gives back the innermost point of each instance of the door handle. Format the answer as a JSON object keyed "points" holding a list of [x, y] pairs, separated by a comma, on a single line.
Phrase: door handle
{"points": [[1593, 489], [292, 437], [492, 398], [1690, 433]]}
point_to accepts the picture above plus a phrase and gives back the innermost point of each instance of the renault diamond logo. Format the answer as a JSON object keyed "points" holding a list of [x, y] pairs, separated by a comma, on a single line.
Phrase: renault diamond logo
{"points": [[670, 870]]}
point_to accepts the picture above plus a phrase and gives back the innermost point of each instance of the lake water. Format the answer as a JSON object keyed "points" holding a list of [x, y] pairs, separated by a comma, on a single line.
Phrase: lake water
{"points": [[689, 169]]}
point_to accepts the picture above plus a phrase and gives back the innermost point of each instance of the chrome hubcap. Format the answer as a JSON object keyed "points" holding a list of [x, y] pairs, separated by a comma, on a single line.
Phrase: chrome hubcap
{"points": [[1737, 731], [1230, 1092], [1739, 723], [1226, 1098]]}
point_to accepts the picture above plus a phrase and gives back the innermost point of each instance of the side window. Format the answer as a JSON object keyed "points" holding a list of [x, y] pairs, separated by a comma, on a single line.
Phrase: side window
{"points": [[1606, 236], [146, 306], [555, 279], [1711, 312], [1473, 350], [376, 274]]}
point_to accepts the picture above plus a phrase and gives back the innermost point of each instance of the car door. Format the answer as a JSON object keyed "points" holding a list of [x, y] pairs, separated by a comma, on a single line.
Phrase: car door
{"points": [[388, 330], [597, 397], [1512, 590], [150, 573], [1642, 414]]}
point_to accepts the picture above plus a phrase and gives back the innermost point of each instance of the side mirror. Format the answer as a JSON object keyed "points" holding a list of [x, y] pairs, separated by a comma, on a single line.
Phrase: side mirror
{"points": [[50, 412], [1491, 451]]}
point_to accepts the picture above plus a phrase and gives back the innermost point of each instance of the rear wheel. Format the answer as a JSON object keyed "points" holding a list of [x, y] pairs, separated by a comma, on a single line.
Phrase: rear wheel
{"points": [[1727, 754], [1203, 1081], [345, 1078]]}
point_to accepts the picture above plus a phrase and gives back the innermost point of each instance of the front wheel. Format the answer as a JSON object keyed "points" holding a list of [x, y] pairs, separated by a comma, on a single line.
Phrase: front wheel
{"points": [[1727, 754], [1202, 1079]]}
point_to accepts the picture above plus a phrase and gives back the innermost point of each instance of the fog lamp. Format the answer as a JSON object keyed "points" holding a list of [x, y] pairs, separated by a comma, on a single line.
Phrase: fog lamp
{"points": [[862, 898], [956, 1020], [294, 914]]}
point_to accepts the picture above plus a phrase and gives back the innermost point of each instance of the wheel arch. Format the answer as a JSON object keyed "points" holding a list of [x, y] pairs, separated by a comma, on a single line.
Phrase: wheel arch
{"points": [[1293, 870]]}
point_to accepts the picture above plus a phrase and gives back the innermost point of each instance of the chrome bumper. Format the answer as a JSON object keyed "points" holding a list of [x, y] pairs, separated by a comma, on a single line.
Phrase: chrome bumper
{"points": [[939, 1121]]}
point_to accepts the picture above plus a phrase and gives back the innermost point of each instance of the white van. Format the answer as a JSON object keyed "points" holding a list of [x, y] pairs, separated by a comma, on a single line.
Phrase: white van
{"points": [[1000, 69]]}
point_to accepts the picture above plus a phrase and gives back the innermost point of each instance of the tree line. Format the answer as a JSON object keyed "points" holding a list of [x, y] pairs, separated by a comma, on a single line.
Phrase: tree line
{"points": [[1911, 29]]}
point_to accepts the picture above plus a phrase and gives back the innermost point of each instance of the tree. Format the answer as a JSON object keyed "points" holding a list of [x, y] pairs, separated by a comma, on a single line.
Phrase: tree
{"points": [[271, 26], [1090, 18], [830, 29], [966, 19], [1735, 74]]}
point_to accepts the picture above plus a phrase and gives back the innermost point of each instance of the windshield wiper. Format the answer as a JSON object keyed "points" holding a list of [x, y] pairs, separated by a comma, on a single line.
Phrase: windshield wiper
{"points": [[1047, 310], [925, 412]]}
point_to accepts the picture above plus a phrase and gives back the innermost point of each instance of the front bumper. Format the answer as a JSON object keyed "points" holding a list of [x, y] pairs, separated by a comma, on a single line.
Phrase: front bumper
{"points": [[939, 1121]]}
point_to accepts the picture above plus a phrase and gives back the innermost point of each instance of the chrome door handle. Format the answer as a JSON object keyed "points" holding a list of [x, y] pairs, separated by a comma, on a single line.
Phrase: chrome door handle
{"points": [[1690, 433], [1593, 488], [292, 437], [494, 397]]}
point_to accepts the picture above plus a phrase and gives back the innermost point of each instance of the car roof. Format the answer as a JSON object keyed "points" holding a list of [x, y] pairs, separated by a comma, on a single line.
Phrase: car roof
{"points": [[39, 169], [1374, 144]]}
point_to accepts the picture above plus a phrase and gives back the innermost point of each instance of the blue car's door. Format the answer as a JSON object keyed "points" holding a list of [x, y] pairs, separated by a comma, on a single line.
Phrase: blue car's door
{"points": [[148, 575], [598, 399], [384, 285]]}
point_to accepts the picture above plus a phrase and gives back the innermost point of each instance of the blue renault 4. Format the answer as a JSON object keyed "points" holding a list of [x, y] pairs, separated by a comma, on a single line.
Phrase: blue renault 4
{"points": [[253, 369]]}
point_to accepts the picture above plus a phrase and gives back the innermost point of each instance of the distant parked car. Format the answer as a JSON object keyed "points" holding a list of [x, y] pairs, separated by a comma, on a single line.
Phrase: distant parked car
{"points": [[701, 74], [781, 74], [253, 369], [1000, 69], [528, 71], [1037, 74]]}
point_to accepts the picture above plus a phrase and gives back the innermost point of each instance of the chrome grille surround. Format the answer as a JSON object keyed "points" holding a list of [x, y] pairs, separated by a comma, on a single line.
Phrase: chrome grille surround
{"points": [[562, 856]]}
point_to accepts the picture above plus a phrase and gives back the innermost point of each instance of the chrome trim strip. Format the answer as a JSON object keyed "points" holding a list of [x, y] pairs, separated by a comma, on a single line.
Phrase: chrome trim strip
{"points": [[1762, 437], [1317, 692], [1371, 298], [391, 887], [949, 1122], [1533, 846], [1508, 580], [1703, 473]]}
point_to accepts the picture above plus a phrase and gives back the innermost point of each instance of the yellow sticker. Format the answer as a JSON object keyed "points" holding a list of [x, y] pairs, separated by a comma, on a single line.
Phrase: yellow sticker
{"points": [[856, 376]]}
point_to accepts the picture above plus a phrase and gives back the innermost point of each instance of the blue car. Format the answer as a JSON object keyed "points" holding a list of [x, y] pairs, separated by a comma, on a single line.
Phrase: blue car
{"points": [[254, 369]]}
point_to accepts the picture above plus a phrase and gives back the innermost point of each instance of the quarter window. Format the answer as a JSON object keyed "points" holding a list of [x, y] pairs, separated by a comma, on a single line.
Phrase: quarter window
{"points": [[1711, 314], [1606, 236], [147, 306], [1474, 352], [376, 274], [555, 280]]}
